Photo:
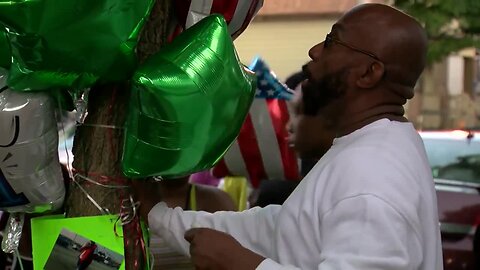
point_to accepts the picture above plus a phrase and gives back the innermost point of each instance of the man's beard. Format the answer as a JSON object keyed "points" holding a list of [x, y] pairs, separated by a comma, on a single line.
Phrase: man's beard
{"points": [[319, 94]]}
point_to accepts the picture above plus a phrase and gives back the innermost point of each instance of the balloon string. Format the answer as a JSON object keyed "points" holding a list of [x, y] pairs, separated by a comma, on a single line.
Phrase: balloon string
{"points": [[103, 179], [152, 259], [104, 211], [113, 149], [118, 219], [99, 183], [128, 210], [19, 259], [140, 240], [102, 126], [128, 214], [115, 228]]}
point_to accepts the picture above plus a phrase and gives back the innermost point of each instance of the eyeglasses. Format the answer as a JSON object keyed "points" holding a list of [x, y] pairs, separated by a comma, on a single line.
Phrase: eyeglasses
{"points": [[329, 39]]}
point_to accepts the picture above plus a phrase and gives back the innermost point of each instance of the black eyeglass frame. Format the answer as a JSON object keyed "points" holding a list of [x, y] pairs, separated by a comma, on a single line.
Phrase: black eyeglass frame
{"points": [[329, 39]]}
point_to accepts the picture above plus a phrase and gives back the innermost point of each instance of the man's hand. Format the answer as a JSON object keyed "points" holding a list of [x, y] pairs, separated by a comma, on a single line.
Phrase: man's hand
{"points": [[214, 250]]}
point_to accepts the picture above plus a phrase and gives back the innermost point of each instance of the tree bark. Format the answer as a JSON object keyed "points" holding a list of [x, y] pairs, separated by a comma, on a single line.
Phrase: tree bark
{"points": [[98, 145]]}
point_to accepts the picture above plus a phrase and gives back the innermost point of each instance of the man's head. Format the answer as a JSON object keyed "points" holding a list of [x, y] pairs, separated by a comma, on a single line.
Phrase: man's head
{"points": [[368, 65]]}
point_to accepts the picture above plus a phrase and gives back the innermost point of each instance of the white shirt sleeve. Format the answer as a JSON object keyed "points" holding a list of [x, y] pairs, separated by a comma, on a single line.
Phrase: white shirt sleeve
{"points": [[364, 232], [252, 228]]}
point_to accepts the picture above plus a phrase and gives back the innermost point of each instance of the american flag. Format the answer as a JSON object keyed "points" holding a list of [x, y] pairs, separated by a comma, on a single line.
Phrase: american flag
{"points": [[261, 150], [237, 13]]}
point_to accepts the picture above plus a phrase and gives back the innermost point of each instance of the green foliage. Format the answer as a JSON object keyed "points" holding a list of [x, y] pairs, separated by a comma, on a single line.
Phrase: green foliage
{"points": [[451, 24]]}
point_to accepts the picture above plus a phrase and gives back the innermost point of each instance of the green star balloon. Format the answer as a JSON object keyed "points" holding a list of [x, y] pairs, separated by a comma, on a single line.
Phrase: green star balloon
{"points": [[188, 104], [72, 43]]}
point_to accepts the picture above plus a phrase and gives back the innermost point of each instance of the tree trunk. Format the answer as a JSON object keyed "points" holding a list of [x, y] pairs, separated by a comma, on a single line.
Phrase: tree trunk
{"points": [[98, 145]]}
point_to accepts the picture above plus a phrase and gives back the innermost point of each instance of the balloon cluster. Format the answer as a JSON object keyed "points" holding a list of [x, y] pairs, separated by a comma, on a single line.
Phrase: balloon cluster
{"points": [[261, 151], [188, 102]]}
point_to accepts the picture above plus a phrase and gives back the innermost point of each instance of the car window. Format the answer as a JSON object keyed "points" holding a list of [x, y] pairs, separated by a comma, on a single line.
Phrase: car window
{"points": [[454, 159]]}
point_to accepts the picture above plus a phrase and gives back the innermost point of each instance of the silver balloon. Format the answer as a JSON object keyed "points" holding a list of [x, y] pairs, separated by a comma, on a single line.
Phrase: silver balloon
{"points": [[30, 174]]}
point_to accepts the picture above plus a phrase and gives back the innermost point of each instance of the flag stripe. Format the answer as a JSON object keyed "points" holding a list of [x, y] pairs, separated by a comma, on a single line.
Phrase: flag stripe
{"points": [[175, 32], [239, 17], [254, 7], [234, 161], [258, 6], [279, 113], [220, 170], [226, 8], [263, 144], [249, 149], [266, 134], [199, 9]]}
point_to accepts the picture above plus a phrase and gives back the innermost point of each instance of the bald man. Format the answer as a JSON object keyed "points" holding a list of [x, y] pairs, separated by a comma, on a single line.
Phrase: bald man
{"points": [[370, 202]]}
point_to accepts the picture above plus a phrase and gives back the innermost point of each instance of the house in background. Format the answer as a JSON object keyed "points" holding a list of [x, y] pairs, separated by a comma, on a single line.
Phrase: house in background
{"points": [[448, 94], [284, 31]]}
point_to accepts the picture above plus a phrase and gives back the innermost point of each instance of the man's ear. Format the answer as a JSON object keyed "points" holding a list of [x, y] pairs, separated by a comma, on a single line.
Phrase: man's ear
{"points": [[371, 76]]}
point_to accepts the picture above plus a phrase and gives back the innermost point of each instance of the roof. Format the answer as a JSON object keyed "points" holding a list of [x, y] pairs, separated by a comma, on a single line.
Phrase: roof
{"points": [[306, 7]]}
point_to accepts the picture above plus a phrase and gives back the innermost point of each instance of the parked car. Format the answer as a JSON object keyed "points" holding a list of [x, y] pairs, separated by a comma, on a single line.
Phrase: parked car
{"points": [[454, 157]]}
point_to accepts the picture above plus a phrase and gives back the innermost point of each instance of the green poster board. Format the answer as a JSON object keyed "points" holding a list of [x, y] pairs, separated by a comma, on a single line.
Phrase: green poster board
{"points": [[45, 231]]}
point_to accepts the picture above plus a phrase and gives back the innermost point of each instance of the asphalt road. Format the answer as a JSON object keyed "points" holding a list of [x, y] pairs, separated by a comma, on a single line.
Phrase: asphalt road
{"points": [[66, 259]]}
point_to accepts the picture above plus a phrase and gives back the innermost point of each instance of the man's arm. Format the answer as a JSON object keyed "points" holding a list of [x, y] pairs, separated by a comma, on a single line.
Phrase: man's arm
{"points": [[253, 228], [364, 232]]}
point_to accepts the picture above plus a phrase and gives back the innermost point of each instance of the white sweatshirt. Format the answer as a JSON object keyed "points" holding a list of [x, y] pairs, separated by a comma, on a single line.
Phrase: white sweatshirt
{"points": [[368, 204]]}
